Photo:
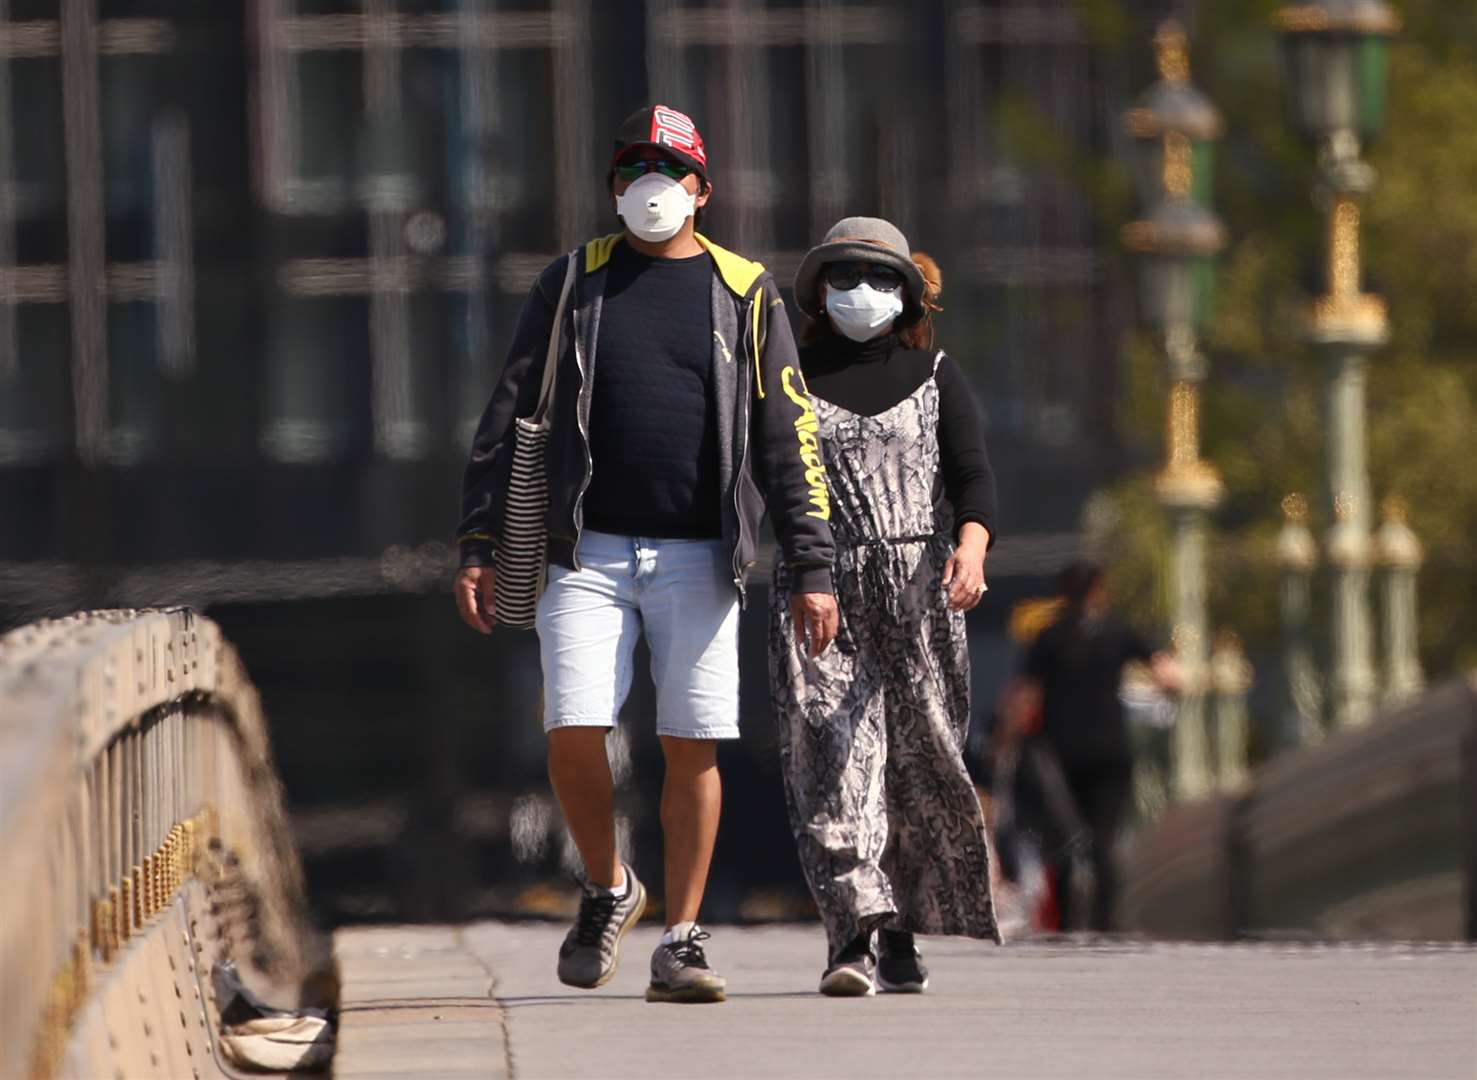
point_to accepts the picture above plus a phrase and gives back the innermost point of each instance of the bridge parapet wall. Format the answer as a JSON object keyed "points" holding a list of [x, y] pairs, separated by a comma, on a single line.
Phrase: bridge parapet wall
{"points": [[145, 842], [1370, 834]]}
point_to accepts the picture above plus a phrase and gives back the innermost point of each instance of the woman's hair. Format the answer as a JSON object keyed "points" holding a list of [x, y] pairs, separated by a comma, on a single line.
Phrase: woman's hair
{"points": [[1076, 581], [1074, 584], [917, 334]]}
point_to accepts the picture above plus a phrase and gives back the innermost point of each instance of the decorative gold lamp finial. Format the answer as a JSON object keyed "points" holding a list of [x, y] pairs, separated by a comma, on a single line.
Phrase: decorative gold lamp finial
{"points": [[1172, 52], [1295, 507]]}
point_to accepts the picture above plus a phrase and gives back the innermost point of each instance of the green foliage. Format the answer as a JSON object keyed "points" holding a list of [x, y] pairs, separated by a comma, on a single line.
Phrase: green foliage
{"points": [[1108, 25], [1035, 143], [1262, 412]]}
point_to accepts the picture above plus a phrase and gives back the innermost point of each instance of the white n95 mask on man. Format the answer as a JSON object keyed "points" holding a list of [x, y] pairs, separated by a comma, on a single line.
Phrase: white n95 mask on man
{"points": [[863, 313], [655, 207]]}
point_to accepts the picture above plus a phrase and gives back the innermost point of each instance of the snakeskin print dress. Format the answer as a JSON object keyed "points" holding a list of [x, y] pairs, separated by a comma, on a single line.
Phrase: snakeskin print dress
{"points": [[885, 817]]}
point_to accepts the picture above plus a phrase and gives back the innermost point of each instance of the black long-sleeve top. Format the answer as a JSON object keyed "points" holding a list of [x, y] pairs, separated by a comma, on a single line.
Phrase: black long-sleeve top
{"points": [[653, 430], [872, 376]]}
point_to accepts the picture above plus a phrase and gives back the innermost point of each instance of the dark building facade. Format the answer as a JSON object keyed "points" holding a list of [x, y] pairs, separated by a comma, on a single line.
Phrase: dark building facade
{"points": [[259, 260]]}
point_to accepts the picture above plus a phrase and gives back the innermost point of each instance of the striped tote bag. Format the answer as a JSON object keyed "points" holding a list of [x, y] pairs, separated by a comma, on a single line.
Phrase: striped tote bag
{"points": [[522, 546]]}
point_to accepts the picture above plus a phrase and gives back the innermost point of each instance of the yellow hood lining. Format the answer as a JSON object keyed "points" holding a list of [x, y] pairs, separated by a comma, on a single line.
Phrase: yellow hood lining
{"points": [[737, 272]]}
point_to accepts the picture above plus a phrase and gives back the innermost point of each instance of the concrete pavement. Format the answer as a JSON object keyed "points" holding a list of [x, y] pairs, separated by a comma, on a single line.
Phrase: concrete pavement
{"points": [[483, 1001], [416, 1003]]}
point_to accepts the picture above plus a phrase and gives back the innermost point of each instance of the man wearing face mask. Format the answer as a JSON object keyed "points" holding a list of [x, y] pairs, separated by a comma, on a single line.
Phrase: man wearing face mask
{"points": [[886, 821], [674, 426]]}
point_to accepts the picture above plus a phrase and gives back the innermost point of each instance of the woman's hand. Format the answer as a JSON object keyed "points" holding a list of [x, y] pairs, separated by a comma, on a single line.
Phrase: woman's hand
{"points": [[964, 573], [815, 619], [474, 597]]}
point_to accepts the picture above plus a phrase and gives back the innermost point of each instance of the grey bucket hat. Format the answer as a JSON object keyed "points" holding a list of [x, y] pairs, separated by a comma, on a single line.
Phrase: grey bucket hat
{"points": [[860, 239]]}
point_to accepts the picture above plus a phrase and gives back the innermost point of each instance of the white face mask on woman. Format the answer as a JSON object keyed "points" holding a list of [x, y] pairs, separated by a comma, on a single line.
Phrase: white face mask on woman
{"points": [[655, 207], [863, 313]]}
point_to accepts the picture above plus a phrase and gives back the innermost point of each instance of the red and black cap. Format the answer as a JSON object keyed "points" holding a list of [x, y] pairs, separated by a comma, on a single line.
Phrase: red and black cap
{"points": [[667, 130]]}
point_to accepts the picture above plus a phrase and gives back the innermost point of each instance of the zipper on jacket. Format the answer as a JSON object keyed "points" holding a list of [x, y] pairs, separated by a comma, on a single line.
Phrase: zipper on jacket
{"points": [[738, 476], [582, 422]]}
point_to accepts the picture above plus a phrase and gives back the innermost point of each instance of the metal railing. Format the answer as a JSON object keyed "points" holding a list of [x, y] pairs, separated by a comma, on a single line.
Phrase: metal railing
{"points": [[136, 786]]}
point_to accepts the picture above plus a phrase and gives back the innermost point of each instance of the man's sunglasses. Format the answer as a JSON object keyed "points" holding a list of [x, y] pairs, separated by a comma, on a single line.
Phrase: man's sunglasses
{"points": [[634, 170], [848, 275]]}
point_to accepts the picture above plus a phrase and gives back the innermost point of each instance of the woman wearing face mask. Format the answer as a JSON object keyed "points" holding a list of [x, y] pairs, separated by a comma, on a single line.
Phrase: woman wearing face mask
{"points": [[887, 823]]}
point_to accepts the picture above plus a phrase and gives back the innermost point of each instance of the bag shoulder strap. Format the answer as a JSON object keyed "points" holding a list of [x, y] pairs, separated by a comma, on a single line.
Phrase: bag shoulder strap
{"points": [[556, 333]]}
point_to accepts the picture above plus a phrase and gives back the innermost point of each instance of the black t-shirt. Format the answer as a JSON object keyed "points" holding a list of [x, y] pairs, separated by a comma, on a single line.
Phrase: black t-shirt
{"points": [[1079, 664], [871, 377], [653, 435]]}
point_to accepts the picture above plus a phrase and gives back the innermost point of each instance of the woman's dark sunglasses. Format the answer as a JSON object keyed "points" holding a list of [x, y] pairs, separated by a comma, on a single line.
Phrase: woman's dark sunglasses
{"points": [[634, 170], [846, 276]]}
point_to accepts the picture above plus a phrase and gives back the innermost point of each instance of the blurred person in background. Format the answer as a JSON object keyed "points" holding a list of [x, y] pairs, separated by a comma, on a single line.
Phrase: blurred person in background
{"points": [[659, 472], [1065, 708], [885, 817]]}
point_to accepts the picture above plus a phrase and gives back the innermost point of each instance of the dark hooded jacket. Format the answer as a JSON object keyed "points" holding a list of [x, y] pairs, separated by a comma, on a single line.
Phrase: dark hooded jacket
{"points": [[768, 451]]}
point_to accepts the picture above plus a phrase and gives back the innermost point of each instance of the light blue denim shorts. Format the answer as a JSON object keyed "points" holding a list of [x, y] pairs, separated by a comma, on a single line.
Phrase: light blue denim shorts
{"points": [[679, 593]]}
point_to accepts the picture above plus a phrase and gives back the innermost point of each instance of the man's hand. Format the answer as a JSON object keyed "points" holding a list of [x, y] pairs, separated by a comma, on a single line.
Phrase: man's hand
{"points": [[474, 597], [964, 573], [816, 620]]}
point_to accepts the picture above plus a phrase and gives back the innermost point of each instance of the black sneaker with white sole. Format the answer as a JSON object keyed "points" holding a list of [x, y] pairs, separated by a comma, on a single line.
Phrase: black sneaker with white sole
{"points": [[900, 967], [852, 972], [591, 949]]}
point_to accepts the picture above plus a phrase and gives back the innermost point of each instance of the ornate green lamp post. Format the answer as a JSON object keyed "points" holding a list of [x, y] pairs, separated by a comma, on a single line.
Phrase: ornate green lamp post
{"points": [[1399, 554], [1172, 132], [1231, 677], [1334, 53], [1297, 552]]}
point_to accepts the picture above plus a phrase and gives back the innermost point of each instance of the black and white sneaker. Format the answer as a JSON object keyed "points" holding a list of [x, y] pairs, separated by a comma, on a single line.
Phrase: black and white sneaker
{"points": [[852, 971], [680, 971], [900, 967], [591, 949]]}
